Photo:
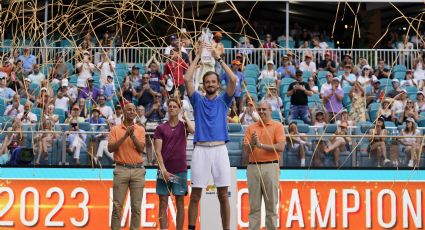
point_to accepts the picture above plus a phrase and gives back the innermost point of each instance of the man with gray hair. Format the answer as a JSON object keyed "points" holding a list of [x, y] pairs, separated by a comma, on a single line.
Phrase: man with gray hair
{"points": [[264, 142]]}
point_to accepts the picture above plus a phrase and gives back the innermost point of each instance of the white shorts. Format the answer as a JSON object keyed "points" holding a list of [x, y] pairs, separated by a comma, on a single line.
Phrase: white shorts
{"points": [[207, 161]]}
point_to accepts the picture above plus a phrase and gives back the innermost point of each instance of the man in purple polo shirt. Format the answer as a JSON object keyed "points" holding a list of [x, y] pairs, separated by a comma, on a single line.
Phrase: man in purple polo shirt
{"points": [[170, 148], [333, 100], [210, 155], [90, 92]]}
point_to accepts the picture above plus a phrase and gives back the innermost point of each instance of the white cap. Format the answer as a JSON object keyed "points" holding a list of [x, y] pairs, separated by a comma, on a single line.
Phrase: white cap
{"points": [[3, 75], [395, 80], [65, 82], [270, 62], [367, 67]]}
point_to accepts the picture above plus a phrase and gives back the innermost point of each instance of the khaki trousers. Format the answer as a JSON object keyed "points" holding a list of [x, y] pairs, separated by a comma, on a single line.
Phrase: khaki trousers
{"points": [[269, 173], [124, 179]]}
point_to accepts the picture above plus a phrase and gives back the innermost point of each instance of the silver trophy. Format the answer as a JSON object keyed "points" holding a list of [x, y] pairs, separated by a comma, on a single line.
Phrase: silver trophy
{"points": [[206, 37]]}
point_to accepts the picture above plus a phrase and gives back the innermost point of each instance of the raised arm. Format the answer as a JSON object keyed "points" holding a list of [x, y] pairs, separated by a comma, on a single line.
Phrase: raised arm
{"points": [[188, 77]]}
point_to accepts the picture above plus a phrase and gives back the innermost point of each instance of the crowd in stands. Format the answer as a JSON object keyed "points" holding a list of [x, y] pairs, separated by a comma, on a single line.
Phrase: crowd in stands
{"points": [[316, 92]]}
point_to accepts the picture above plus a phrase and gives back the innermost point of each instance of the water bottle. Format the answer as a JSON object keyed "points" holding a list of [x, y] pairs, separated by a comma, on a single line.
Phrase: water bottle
{"points": [[176, 179], [206, 37]]}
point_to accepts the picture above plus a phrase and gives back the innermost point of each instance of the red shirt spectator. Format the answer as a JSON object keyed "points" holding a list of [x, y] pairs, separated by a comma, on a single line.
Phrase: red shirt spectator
{"points": [[176, 67]]}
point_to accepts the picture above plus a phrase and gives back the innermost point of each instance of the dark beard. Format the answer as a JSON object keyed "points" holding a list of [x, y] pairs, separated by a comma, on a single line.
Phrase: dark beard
{"points": [[209, 93]]}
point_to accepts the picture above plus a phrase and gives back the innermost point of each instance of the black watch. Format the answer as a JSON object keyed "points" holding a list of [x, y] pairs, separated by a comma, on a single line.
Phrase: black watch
{"points": [[219, 60]]}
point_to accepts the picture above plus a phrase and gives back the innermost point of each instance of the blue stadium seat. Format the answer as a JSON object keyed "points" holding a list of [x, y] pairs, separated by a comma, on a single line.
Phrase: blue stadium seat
{"points": [[287, 81], [321, 74], [399, 68], [400, 75], [61, 114], [234, 146]]}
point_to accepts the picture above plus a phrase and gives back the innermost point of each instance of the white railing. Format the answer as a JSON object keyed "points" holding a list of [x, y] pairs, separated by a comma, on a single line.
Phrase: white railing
{"points": [[132, 55]]}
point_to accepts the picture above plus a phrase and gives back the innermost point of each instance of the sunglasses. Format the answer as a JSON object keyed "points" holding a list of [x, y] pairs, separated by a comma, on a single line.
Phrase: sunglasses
{"points": [[262, 109]]}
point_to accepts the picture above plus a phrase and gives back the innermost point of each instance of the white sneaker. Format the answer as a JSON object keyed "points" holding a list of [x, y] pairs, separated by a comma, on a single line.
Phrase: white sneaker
{"points": [[395, 163], [410, 163], [386, 161], [302, 164]]}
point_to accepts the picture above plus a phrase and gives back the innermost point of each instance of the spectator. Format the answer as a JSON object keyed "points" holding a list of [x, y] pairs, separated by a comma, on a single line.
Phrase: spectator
{"points": [[127, 92], [308, 64], [420, 101], [382, 71], [44, 141], [36, 76], [399, 104], [232, 116], [75, 115], [85, 70], [145, 94], [241, 59], [245, 47], [75, 141], [109, 88], [14, 57], [346, 60], [333, 100], [328, 84], [408, 80], [319, 119], [377, 141], [13, 82], [240, 83], [43, 99], [26, 91], [69, 91], [59, 71], [299, 92], [6, 93], [49, 114], [297, 145], [249, 116], [338, 144], [419, 71], [362, 63], [12, 141], [19, 71], [405, 48], [375, 94], [135, 78], [15, 108], [385, 110], [155, 76], [411, 144], [347, 78], [287, 70], [218, 45], [328, 64], [27, 117], [313, 87], [366, 77], [62, 101], [140, 118], [118, 116], [91, 92], [358, 103], [105, 110], [305, 36], [106, 68], [269, 72], [410, 111], [174, 43], [155, 110], [267, 47], [292, 61], [344, 118], [174, 69], [272, 98], [98, 125], [28, 61], [85, 107], [396, 89], [6, 67]]}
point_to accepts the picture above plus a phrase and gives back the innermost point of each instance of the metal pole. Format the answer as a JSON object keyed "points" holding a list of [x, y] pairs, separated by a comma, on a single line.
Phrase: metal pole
{"points": [[287, 24]]}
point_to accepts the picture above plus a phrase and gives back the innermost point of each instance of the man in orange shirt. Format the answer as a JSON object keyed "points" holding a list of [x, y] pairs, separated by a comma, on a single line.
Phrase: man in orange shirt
{"points": [[127, 142], [264, 142]]}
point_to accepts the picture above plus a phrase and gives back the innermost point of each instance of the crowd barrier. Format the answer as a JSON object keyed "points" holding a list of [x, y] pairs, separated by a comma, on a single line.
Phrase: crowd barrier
{"points": [[357, 154], [137, 55]]}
